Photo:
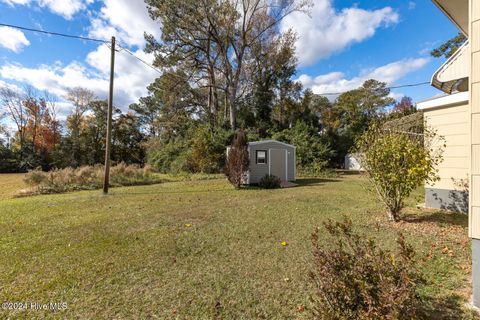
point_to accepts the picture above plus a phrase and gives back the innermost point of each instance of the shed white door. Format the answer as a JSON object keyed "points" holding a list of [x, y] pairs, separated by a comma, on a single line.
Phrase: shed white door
{"points": [[278, 163]]}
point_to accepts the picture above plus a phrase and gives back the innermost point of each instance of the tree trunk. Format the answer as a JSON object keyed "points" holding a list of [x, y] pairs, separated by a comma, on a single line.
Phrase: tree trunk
{"points": [[210, 101], [393, 216], [233, 111], [34, 137], [225, 109]]}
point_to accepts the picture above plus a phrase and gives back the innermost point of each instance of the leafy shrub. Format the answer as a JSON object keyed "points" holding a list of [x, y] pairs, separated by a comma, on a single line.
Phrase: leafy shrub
{"points": [[313, 153], [208, 149], [200, 150], [269, 181], [356, 279], [181, 164], [238, 160], [168, 156], [86, 178], [398, 162], [8, 161]]}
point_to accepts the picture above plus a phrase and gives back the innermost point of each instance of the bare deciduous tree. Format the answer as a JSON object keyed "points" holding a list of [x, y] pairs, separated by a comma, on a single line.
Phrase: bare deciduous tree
{"points": [[54, 123], [15, 110], [212, 40], [81, 98]]}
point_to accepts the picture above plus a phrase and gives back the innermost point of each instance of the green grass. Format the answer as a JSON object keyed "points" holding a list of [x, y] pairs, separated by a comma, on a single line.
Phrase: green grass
{"points": [[131, 255], [10, 184]]}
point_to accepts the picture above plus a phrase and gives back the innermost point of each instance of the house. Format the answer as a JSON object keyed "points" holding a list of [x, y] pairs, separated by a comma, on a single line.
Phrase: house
{"points": [[461, 73], [449, 116], [271, 157]]}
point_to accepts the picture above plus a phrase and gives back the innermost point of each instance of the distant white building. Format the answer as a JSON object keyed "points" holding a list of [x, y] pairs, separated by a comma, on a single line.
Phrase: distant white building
{"points": [[352, 162]]}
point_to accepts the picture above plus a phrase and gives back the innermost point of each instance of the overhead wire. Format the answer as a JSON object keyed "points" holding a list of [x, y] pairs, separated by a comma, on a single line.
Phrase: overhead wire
{"points": [[156, 69], [52, 33], [321, 94], [140, 59]]}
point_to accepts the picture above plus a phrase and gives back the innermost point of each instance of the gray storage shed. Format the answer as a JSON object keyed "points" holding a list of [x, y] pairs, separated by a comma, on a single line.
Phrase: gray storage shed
{"points": [[271, 157]]}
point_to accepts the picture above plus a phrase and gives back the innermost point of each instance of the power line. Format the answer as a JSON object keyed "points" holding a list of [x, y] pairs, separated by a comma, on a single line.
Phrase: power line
{"points": [[410, 85], [391, 87], [52, 33], [321, 94], [157, 70], [140, 59]]}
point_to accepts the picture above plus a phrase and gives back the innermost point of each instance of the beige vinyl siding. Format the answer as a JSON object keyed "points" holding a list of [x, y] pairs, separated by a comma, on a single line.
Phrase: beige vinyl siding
{"points": [[458, 68], [453, 124], [474, 34]]}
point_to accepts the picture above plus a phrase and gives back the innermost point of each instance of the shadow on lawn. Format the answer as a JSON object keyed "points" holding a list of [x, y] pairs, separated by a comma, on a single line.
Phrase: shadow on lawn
{"points": [[451, 307], [304, 182], [156, 192], [439, 218]]}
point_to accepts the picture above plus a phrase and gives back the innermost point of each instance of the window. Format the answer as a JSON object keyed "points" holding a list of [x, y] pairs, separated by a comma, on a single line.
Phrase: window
{"points": [[261, 157]]}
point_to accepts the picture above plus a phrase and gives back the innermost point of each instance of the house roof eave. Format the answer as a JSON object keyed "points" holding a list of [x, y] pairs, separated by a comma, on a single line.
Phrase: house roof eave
{"points": [[453, 74], [456, 11]]}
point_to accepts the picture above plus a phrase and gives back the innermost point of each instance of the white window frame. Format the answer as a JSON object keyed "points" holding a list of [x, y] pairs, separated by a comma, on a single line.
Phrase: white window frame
{"points": [[265, 157]]}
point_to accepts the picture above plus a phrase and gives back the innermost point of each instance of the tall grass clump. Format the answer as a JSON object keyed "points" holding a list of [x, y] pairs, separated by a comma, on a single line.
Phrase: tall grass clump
{"points": [[86, 178]]}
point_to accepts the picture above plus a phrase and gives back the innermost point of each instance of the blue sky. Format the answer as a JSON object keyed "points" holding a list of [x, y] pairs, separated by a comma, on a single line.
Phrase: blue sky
{"points": [[340, 45]]}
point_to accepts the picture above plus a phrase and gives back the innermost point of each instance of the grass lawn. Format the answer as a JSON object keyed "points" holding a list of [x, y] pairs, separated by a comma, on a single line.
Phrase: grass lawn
{"points": [[10, 184], [133, 253]]}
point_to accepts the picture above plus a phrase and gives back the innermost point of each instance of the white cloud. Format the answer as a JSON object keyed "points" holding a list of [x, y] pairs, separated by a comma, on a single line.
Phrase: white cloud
{"points": [[396, 95], [64, 8], [4, 84], [13, 39], [125, 19], [337, 82], [328, 31], [131, 76], [55, 78], [14, 2]]}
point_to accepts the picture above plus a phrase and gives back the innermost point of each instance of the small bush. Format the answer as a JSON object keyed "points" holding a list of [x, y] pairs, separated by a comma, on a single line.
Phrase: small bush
{"points": [[236, 166], [270, 182], [356, 279], [398, 162], [86, 178]]}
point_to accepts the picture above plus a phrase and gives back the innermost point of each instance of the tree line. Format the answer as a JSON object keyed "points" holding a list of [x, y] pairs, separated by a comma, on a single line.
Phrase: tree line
{"points": [[39, 139], [166, 129], [226, 65]]}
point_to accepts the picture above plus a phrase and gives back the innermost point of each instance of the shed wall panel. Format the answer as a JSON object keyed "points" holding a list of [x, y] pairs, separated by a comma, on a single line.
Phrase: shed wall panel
{"points": [[257, 171]]}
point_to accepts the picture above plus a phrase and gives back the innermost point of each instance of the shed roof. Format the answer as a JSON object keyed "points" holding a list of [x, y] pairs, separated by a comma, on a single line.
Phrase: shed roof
{"points": [[254, 143]]}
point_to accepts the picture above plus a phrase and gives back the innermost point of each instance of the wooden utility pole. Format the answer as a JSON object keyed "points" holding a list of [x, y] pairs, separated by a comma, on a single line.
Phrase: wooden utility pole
{"points": [[108, 143]]}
